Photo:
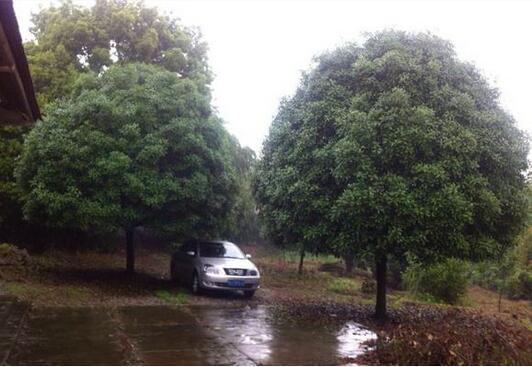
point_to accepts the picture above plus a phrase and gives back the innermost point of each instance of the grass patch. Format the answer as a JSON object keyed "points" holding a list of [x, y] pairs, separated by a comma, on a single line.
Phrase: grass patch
{"points": [[76, 294], [175, 298], [40, 293], [343, 286], [23, 290], [293, 257]]}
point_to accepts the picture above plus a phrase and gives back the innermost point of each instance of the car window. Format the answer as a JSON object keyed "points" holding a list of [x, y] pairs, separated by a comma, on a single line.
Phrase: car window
{"points": [[218, 249], [188, 246]]}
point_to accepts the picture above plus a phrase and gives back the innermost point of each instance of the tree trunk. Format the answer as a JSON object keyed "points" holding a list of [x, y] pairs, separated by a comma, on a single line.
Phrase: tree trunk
{"points": [[301, 257], [349, 263], [130, 250], [380, 305]]}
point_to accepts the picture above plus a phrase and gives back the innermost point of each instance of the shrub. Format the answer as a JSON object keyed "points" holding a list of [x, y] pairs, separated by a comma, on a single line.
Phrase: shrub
{"points": [[516, 284], [5, 247], [342, 286], [511, 274], [485, 274], [519, 285], [441, 282], [369, 286]]}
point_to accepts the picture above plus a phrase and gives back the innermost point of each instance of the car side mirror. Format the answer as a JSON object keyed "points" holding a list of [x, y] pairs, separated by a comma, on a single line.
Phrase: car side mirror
{"points": [[191, 253], [248, 256]]}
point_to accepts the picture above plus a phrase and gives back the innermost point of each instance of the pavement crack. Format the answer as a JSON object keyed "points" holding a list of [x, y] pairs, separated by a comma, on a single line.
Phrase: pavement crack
{"points": [[129, 348], [245, 354], [18, 330]]}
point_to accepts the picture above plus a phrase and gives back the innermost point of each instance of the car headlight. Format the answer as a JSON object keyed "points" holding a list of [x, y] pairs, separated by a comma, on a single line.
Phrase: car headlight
{"points": [[211, 269]]}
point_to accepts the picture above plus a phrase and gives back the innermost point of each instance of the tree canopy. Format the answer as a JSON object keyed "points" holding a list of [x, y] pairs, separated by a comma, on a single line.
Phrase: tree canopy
{"points": [[70, 39], [391, 148], [10, 146], [133, 146], [243, 225]]}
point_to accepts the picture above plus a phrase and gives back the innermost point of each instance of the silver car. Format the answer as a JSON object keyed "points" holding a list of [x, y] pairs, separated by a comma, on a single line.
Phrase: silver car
{"points": [[214, 265]]}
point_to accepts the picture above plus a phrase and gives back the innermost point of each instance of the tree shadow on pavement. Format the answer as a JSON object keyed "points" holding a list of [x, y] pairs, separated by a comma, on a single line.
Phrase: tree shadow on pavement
{"points": [[117, 282], [112, 281]]}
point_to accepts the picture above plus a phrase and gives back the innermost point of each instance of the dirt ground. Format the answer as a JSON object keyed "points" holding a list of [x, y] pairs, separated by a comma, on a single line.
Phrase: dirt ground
{"points": [[431, 334]]}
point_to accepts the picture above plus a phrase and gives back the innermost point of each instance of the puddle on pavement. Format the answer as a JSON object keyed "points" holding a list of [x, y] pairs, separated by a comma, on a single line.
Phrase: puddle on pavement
{"points": [[258, 335], [353, 339], [185, 336]]}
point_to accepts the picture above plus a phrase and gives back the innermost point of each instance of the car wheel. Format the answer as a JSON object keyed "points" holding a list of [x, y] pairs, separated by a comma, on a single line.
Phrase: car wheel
{"points": [[249, 294], [195, 286]]}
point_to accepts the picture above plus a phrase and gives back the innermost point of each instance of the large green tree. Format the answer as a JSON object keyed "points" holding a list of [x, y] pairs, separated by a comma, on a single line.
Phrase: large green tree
{"points": [[291, 188], [70, 39], [391, 148], [133, 146]]}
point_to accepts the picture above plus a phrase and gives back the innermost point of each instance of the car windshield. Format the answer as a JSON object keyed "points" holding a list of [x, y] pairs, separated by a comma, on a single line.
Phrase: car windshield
{"points": [[213, 249]]}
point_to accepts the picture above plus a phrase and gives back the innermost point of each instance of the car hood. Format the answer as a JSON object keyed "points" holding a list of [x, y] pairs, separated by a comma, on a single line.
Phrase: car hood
{"points": [[229, 263]]}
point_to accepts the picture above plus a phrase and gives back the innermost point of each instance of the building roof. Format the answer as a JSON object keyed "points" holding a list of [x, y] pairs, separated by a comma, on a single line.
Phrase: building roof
{"points": [[17, 97]]}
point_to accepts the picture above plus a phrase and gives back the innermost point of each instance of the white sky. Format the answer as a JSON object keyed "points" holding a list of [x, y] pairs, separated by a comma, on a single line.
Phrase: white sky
{"points": [[259, 48]]}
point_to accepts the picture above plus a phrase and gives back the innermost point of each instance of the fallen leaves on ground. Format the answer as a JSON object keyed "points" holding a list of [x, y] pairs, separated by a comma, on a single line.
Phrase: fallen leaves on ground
{"points": [[417, 334]]}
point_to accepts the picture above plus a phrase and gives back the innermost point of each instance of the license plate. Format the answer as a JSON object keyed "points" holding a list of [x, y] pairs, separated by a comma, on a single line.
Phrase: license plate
{"points": [[235, 283]]}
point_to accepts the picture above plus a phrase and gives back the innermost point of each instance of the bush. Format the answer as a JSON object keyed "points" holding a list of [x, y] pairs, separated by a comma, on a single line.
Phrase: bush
{"points": [[519, 285], [511, 274], [516, 284], [442, 282], [5, 247], [485, 274], [342, 286], [369, 286]]}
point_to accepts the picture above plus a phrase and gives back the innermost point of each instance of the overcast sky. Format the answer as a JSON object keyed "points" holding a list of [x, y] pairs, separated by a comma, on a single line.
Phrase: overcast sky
{"points": [[259, 48]]}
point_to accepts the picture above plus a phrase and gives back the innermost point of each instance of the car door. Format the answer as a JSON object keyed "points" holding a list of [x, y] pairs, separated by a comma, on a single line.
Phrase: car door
{"points": [[186, 261]]}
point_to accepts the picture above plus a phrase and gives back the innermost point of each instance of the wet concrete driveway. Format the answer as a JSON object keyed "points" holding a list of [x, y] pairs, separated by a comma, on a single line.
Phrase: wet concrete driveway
{"points": [[161, 335]]}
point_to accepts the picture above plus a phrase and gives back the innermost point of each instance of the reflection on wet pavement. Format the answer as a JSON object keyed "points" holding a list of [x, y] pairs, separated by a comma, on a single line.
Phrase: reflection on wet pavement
{"points": [[352, 338], [67, 336], [200, 335], [265, 340], [165, 335]]}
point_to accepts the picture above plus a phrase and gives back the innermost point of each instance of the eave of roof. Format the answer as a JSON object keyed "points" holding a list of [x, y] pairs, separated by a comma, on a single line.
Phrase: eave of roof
{"points": [[17, 97]]}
